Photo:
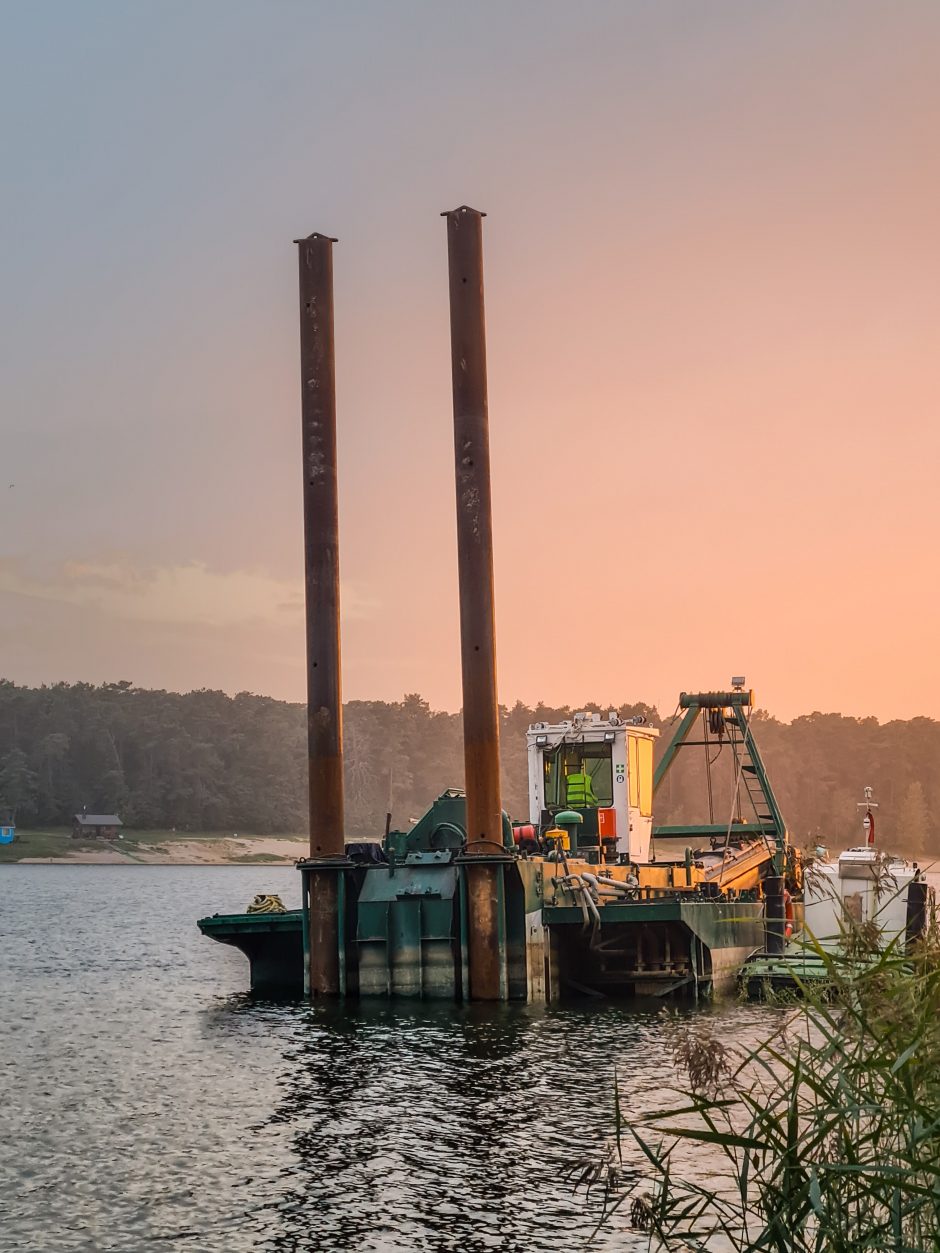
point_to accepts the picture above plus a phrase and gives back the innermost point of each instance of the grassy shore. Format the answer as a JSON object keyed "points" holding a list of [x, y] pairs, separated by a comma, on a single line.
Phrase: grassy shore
{"points": [[154, 848]]}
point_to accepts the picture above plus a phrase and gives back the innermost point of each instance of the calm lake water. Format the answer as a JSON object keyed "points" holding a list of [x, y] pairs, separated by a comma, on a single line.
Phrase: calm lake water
{"points": [[149, 1104]]}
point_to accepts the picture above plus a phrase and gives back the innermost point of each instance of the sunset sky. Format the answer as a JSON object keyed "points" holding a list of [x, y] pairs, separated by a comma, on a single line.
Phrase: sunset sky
{"points": [[713, 311]]}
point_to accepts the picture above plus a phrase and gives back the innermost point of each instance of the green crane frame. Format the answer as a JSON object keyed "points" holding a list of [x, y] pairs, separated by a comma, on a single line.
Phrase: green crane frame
{"points": [[768, 818]]}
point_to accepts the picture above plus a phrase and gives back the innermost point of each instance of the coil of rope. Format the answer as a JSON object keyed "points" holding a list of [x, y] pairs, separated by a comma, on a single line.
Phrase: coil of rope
{"points": [[266, 904]]}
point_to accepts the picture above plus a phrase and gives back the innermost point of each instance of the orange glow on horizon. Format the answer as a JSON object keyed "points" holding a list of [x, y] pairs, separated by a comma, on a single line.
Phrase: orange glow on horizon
{"points": [[713, 305]]}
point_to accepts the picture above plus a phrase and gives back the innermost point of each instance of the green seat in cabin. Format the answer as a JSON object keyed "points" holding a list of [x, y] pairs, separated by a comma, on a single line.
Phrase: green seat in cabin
{"points": [[579, 791]]}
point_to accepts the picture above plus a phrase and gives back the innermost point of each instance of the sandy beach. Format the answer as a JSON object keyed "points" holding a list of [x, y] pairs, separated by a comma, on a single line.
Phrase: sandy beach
{"points": [[177, 851]]}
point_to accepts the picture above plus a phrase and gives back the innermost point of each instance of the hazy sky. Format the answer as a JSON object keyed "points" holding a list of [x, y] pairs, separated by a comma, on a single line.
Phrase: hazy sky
{"points": [[713, 306]]}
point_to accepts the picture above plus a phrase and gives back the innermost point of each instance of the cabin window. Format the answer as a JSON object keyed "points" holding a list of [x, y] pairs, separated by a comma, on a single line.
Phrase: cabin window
{"points": [[640, 761], [645, 756], [578, 776]]}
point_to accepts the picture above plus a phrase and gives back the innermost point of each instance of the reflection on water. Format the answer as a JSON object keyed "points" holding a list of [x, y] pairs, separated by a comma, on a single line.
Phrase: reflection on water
{"points": [[446, 1129], [151, 1104]]}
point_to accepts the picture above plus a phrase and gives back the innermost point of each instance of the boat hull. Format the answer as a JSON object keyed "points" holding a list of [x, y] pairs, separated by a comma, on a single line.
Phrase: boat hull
{"points": [[406, 936]]}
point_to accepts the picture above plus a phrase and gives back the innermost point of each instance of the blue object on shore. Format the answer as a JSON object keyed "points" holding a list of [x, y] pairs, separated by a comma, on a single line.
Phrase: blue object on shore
{"points": [[7, 835]]}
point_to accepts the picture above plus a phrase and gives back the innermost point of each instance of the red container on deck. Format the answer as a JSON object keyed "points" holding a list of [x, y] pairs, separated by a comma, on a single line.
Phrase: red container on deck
{"points": [[607, 824]]}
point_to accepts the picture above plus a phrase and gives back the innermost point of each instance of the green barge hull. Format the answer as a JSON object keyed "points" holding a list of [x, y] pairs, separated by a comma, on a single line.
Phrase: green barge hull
{"points": [[273, 944], [404, 930], [413, 948]]}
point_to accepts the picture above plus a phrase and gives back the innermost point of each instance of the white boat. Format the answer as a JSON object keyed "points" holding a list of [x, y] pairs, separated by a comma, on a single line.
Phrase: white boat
{"points": [[863, 890], [854, 907]]}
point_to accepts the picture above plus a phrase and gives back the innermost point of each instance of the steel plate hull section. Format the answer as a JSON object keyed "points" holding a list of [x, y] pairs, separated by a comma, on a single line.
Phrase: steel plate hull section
{"points": [[273, 944], [727, 933], [407, 933]]}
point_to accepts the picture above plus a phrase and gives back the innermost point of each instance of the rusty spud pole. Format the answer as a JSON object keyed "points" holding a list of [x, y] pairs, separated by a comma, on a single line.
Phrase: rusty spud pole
{"points": [[477, 617], [321, 573]]}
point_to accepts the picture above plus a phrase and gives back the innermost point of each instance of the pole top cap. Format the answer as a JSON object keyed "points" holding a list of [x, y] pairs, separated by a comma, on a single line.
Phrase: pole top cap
{"points": [[568, 818], [462, 209], [316, 237]]}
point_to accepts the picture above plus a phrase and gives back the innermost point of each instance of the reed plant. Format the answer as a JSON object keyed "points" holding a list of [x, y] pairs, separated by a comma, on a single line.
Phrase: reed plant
{"points": [[826, 1136]]}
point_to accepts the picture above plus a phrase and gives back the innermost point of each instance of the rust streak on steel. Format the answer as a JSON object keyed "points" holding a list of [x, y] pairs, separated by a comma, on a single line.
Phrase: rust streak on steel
{"points": [[321, 573], [477, 617]]}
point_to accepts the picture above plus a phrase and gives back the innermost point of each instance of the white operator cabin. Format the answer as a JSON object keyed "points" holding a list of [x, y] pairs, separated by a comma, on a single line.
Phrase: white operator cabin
{"points": [[598, 766]]}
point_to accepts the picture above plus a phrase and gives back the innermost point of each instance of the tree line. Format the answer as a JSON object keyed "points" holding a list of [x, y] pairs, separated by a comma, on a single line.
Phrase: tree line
{"points": [[205, 761]]}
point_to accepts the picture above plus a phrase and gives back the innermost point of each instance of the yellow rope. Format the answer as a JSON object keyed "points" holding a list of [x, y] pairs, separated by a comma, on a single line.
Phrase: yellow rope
{"points": [[263, 904]]}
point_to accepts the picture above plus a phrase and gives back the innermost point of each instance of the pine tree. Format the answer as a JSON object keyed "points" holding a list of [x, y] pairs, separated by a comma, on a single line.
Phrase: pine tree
{"points": [[913, 824], [17, 783]]}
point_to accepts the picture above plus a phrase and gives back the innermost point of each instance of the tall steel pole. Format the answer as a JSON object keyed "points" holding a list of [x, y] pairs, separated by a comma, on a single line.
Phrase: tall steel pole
{"points": [[321, 572], [477, 618]]}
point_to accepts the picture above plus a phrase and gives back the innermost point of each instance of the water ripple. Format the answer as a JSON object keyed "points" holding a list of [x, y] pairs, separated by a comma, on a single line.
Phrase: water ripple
{"points": [[149, 1104]]}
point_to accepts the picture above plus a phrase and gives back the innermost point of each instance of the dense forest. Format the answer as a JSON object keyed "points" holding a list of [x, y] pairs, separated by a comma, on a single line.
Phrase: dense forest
{"points": [[206, 761]]}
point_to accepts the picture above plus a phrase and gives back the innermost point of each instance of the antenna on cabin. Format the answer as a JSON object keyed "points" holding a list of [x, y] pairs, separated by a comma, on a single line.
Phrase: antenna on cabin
{"points": [[868, 822]]}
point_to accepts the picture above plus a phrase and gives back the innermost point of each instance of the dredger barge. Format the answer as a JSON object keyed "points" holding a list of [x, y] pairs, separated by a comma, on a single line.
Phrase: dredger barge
{"points": [[581, 899], [583, 905]]}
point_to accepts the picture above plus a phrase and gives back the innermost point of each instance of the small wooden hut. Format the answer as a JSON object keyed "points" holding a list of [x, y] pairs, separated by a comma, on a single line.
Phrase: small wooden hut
{"points": [[96, 826]]}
